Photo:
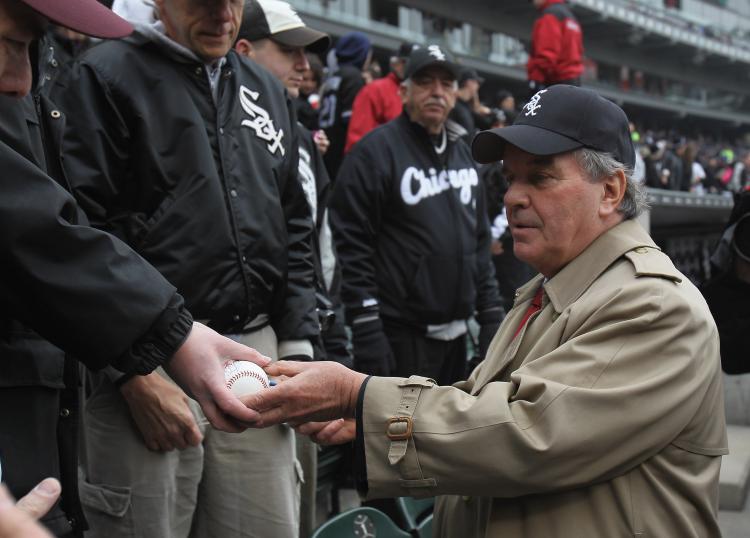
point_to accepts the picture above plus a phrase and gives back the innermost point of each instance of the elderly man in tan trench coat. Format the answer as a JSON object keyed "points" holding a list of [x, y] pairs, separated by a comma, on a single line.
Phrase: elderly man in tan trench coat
{"points": [[598, 411]]}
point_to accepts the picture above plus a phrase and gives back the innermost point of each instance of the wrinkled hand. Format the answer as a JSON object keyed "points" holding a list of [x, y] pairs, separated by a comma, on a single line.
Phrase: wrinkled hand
{"points": [[197, 367], [19, 520], [321, 140], [161, 412], [335, 432], [307, 391]]}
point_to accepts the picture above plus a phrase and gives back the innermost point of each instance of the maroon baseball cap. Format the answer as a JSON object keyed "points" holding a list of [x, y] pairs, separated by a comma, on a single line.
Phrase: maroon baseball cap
{"points": [[86, 16]]}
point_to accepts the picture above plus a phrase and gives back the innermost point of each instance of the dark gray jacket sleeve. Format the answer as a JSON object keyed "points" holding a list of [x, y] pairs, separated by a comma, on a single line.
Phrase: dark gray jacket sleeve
{"points": [[82, 289], [294, 316], [489, 302]]}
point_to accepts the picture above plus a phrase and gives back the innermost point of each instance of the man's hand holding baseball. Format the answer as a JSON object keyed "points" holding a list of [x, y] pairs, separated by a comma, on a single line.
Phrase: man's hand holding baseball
{"points": [[197, 367], [318, 391]]}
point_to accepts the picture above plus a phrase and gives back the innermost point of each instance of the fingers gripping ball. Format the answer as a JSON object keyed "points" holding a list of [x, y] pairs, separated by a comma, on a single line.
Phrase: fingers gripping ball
{"points": [[245, 377]]}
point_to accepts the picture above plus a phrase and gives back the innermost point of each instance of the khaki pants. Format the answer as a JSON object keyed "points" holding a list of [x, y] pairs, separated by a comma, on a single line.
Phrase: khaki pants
{"points": [[232, 485], [307, 455]]}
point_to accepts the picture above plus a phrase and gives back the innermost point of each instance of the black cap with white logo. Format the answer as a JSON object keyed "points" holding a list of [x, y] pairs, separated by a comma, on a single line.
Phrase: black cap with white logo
{"points": [[559, 119], [430, 55]]}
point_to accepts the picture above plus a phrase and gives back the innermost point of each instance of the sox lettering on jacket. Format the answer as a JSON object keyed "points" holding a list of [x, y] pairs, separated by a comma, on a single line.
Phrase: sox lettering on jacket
{"points": [[261, 122]]}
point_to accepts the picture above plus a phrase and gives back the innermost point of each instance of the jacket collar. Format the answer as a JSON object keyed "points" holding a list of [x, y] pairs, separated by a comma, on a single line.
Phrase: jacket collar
{"points": [[392, 77], [573, 279], [453, 129], [155, 33]]}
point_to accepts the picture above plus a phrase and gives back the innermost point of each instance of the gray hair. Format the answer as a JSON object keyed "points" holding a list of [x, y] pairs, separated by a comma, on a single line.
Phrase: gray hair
{"points": [[599, 164]]}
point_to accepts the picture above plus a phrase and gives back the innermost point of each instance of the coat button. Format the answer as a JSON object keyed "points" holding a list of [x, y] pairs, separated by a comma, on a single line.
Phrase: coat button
{"points": [[244, 259], [55, 114], [233, 193], [642, 250], [236, 317], [198, 70], [64, 412], [53, 62], [221, 130]]}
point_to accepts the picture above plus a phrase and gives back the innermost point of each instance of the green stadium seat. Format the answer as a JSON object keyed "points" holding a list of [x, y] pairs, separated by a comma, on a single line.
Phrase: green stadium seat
{"points": [[363, 522], [424, 530], [414, 511]]}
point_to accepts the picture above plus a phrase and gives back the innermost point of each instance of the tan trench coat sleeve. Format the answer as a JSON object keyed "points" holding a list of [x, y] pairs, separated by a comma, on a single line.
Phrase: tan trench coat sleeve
{"points": [[625, 379]]}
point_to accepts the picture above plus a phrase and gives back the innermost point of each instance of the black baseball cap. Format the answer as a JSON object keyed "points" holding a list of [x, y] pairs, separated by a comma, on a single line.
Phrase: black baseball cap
{"points": [[430, 55], [468, 73], [85, 16], [559, 119], [279, 21], [405, 49]]}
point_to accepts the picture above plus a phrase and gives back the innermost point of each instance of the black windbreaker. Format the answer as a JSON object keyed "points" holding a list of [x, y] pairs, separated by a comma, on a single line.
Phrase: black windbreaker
{"points": [[411, 229], [64, 287], [208, 193]]}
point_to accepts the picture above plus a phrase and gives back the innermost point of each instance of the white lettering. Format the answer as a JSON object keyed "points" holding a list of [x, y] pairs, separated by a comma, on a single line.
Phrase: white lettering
{"points": [[416, 185], [261, 122]]}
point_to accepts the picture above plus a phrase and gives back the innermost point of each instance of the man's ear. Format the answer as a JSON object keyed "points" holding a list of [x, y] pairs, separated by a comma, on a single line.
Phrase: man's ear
{"points": [[614, 191], [245, 48], [402, 89]]}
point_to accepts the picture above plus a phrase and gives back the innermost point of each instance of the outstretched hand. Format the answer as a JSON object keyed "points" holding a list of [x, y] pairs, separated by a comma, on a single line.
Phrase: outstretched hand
{"points": [[197, 367], [19, 520], [307, 391]]}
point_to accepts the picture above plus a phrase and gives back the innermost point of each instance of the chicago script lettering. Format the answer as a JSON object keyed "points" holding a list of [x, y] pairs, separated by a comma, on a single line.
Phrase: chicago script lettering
{"points": [[417, 185]]}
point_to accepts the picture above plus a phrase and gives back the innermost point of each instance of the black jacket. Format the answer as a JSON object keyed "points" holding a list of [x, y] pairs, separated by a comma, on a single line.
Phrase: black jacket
{"points": [[316, 183], [64, 287], [208, 193], [336, 100], [411, 229]]}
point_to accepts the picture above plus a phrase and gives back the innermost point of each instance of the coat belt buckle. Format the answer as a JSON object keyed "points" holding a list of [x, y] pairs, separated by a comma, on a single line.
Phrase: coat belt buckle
{"points": [[393, 430]]}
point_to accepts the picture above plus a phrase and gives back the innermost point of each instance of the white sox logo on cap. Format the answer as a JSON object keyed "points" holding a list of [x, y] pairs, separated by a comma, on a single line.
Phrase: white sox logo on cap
{"points": [[436, 53], [533, 105]]}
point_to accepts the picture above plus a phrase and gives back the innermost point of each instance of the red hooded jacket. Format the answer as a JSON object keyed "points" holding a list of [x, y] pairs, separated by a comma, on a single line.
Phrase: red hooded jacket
{"points": [[556, 45], [377, 103]]}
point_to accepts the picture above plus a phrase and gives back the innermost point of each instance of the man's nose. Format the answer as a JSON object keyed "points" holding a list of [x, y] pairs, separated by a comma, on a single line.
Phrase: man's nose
{"points": [[15, 74], [222, 10], [437, 88], [515, 196], [301, 60]]}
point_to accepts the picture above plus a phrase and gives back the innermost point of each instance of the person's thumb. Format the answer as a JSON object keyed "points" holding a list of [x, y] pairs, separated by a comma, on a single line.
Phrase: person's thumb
{"points": [[287, 368], [239, 352], [40, 499]]}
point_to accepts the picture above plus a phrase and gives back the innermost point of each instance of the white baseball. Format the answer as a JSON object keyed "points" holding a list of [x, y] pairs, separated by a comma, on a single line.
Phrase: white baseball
{"points": [[244, 377]]}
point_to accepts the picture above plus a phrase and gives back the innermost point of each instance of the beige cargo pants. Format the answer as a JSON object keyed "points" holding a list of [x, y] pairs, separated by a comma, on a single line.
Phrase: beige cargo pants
{"points": [[231, 486]]}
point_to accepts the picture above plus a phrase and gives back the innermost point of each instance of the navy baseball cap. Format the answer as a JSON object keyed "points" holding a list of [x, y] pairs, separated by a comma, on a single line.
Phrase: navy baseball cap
{"points": [[85, 16], [559, 119], [423, 57]]}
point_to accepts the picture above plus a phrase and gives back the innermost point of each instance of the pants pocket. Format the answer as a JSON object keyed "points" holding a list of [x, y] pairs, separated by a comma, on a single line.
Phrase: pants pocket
{"points": [[111, 500], [107, 507]]}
